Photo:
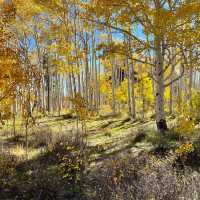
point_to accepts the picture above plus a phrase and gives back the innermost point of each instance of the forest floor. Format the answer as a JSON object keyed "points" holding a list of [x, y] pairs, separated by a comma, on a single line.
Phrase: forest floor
{"points": [[108, 138], [112, 135]]}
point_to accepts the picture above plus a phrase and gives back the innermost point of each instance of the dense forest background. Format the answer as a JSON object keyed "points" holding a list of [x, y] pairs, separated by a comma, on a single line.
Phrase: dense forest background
{"points": [[86, 84]]}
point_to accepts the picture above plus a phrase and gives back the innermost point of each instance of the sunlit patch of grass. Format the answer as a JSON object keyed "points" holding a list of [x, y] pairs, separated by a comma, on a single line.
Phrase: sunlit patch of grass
{"points": [[34, 153], [18, 151]]}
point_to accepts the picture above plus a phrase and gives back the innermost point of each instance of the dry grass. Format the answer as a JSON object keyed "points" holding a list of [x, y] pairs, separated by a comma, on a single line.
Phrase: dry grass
{"points": [[18, 151], [144, 177]]}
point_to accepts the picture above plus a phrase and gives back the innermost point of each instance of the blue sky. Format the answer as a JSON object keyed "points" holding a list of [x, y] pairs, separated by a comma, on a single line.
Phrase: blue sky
{"points": [[138, 31]]}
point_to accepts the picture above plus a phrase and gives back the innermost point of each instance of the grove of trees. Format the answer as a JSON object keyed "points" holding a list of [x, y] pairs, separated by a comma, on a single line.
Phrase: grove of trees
{"points": [[99, 99], [135, 56]]}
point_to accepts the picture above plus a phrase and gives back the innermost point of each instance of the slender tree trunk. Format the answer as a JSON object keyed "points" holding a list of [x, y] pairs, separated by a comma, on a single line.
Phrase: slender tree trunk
{"points": [[86, 70], [43, 96], [26, 137], [59, 94], [132, 82], [14, 117], [96, 86], [172, 85], [129, 89], [74, 82], [140, 71], [171, 99], [160, 88], [113, 90], [99, 77], [133, 110], [48, 92], [180, 89], [70, 89], [190, 84], [113, 63], [128, 67]]}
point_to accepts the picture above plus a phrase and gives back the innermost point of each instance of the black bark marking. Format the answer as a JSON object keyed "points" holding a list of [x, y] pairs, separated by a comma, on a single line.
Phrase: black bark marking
{"points": [[162, 125]]}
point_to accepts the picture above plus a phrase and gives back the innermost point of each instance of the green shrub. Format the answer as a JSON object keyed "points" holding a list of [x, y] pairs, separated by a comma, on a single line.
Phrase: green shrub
{"points": [[154, 138]]}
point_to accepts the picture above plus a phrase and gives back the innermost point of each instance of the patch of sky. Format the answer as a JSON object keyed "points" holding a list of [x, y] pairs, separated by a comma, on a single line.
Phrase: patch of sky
{"points": [[32, 43]]}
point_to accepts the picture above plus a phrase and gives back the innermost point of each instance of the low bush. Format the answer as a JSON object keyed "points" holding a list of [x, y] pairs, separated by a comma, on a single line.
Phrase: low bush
{"points": [[155, 138], [72, 156], [144, 177], [185, 126], [188, 155], [7, 170], [57, 174]]}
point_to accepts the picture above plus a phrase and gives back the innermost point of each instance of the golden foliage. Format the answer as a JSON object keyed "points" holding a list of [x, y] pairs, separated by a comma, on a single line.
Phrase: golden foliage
{"points": [[80, 106], [185, 125], [184, 149]]}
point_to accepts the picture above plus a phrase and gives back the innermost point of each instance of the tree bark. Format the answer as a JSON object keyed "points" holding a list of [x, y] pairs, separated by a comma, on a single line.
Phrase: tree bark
{"points": [[160, 88], [190, 84]]}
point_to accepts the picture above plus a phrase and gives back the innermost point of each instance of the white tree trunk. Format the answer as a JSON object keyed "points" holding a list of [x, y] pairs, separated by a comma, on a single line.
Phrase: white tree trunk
{"points": [[160, 88]]}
